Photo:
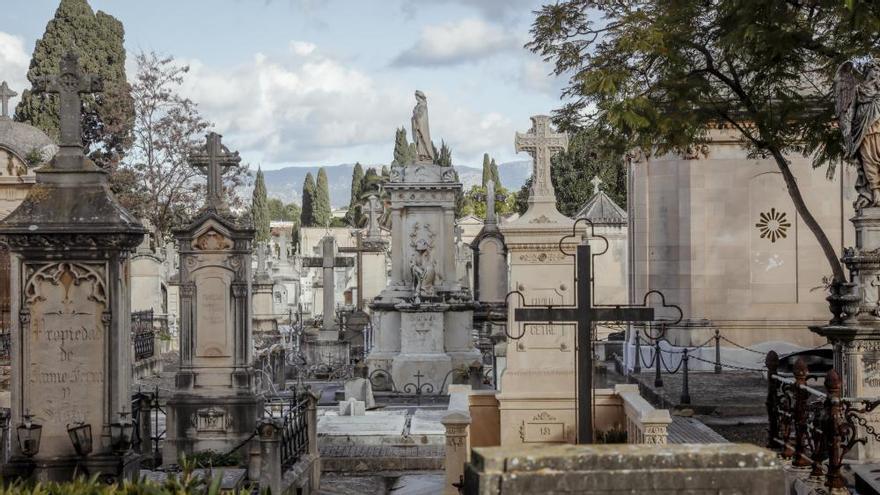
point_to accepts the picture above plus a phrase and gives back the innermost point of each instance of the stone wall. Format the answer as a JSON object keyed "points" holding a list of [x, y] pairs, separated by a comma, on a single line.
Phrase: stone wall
{"points": [[597, 469]]}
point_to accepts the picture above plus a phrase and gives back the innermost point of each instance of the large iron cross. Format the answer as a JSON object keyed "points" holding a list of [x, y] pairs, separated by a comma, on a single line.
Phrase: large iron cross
{"points": [[542, 143], [212, 158], [5, 95], [583, 316], [328, 261], [70, 83]]}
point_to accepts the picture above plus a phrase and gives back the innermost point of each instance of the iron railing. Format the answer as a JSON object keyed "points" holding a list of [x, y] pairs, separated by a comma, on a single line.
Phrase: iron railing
{"points": [[143, 334], [814, 429], [293, 412]]}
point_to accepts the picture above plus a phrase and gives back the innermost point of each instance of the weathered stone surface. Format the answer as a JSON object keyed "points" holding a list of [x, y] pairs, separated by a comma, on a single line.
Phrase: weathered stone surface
{"points": [[360, 389], [620, 468], [352, 407]]}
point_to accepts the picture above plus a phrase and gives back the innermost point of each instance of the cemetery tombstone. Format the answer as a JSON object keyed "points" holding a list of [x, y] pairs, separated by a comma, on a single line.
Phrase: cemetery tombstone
{"points": [[537, 399], [328, 262], [71, 343], [215, 405], [422, 320]]}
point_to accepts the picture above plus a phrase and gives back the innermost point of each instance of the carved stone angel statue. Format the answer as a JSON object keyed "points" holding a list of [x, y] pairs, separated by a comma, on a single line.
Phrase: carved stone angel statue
{"points": [[857, 90], [420, 130], [424, 272]]}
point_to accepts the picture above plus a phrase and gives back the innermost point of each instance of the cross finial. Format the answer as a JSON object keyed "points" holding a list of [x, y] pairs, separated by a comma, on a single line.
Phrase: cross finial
{"points": [[373, 217], [70, 84], [597, 184], [211, 159], [542, 143], [5, 95], [490, 202]]}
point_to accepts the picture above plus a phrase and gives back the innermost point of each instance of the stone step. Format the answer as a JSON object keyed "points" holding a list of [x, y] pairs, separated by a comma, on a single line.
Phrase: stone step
{"points": [[373, 458]]}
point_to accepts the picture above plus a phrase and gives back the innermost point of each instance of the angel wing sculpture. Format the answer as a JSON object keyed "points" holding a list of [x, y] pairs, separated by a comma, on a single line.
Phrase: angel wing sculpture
{"points": [[857, 94]]}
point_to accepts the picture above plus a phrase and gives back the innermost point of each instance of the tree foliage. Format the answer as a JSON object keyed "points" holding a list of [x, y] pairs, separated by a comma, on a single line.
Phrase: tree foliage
{"points": [[307, 213], [353, 216], [260, 209], [475, 202], [404, 153], [660, 75], [321, 210], [168, 128], [280, 212], [98, 41]]}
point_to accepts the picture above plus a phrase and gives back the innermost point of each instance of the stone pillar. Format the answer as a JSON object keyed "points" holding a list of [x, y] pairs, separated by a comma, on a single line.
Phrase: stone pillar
{"points": [[271, 473], [457, 424], [312, 420], [397, 262], [70, 293]]}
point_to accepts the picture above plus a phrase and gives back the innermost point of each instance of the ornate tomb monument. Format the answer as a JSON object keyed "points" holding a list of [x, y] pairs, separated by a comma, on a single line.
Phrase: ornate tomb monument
{"points": [[71, 346], [423, 318], [214, 405]]}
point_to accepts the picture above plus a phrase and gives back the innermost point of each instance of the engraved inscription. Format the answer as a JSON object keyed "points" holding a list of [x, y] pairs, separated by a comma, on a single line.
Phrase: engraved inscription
{"points": [[212, 325], [65, 327]]}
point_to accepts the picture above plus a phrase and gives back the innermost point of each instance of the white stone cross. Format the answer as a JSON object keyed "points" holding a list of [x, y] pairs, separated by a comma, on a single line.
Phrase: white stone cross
{"points": [[542, 143], [597, 183], [373, 216], [5, 95], [213, 157]]}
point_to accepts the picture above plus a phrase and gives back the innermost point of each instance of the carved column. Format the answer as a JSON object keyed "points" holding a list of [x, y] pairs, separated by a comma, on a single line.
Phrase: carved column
{"points": [[187, 316], [397, 262], [449, 278], [457, 426]]}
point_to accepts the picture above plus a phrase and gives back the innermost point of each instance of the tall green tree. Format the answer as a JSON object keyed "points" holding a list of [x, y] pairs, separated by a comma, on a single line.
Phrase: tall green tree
{"points": [[493, 167], [404, 154], [487, 170], [322, 213], [353, 216], [260, 208], [307, 213], [659, 75], [97, 38]]}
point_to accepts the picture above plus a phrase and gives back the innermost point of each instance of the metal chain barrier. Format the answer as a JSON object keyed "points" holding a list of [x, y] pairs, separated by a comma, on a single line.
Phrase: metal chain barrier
{"points": [[742, 346], [730, 366]]}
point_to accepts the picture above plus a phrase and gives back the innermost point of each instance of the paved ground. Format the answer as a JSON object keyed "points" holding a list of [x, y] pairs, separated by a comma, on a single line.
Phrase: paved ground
{"points": [[398, 483], [692, 430], [730, 403]]}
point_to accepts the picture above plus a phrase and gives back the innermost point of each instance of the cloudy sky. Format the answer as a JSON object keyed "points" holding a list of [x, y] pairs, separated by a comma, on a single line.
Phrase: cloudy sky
{"points": [[322, 82]]}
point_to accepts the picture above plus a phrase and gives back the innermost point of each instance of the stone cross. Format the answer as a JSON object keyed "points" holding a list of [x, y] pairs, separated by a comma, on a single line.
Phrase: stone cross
{"points": [[5, 95], [261, 259], [213, 157], [583, 315], [70, 83], [597, 184], [542, 144], [490, 202], [373, 218], [329, 261]]}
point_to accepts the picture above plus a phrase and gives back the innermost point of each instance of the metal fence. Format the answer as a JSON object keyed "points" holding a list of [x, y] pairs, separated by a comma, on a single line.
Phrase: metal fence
{"points": [[293, 412], [814, 429], [143, 334]]}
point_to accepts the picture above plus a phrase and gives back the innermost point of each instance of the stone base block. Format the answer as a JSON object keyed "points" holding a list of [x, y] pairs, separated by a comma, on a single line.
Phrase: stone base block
{"points": [[432, 368], [537, 421], [463, 359], [61, 469], [198, 423]]}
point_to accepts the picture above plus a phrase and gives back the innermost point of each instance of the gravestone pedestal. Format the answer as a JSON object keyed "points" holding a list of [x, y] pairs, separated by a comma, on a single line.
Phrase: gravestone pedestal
{"points": [[71, 339], [418, 328], [215, 404], [855, 333]]}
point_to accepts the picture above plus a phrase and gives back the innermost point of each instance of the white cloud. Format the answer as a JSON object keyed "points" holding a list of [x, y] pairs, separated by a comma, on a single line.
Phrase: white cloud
{"points": [[496, 10], [316, 110], [537, 75], [456, 42], [14, 61]]}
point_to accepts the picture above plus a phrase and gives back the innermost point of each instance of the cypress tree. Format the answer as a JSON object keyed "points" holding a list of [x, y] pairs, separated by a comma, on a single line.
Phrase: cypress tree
{"points": [[354, 204], [487, 169], [321, 207], [307, 215], [444, 156], [404, 153], [98, 41], [493, 167], [260, 208]]}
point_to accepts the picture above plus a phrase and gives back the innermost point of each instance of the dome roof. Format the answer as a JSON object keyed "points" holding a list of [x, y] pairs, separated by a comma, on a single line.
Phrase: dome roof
{"points": [[22, 139]]}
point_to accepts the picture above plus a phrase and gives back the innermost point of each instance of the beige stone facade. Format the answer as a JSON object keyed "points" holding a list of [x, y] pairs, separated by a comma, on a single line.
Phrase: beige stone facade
{"points": [[717, 233]]}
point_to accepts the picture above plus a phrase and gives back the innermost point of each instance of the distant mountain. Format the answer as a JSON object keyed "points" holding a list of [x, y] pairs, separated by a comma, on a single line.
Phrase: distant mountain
{"points": [[286, 183]]}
